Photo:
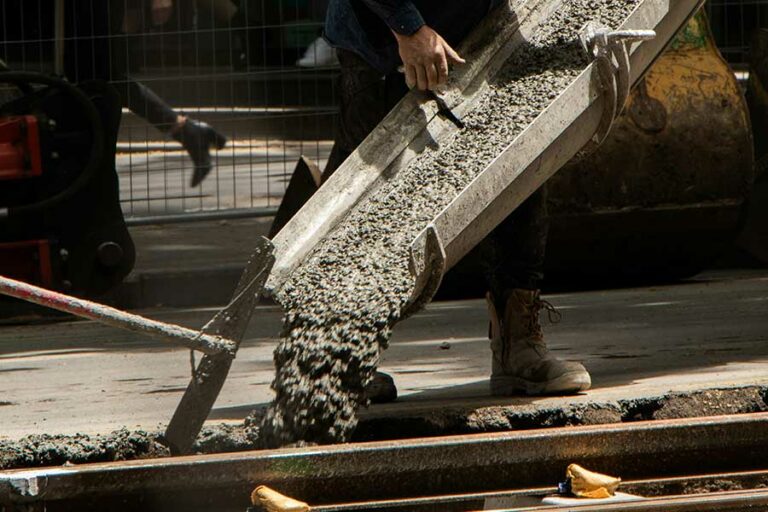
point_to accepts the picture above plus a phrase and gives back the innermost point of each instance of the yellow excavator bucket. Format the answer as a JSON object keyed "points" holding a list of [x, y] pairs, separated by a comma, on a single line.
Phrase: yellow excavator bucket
{"points": [[666, 191]]}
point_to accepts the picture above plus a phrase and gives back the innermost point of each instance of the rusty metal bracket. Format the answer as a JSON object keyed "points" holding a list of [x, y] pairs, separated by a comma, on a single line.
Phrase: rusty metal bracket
{"points": [[609, 48], [427, 266], [209, 376]]}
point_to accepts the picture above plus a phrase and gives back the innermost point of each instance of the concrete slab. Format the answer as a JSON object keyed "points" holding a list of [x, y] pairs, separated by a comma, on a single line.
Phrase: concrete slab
{"points": [[707, 333]]}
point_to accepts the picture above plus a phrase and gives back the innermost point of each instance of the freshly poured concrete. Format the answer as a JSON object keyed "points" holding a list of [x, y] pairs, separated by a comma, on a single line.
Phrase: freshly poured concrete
{"points": [[343, 301], [711, 332]]}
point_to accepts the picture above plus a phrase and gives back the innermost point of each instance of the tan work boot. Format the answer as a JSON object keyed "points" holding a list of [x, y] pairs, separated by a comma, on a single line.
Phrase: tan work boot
{"points": [[521, 359]]}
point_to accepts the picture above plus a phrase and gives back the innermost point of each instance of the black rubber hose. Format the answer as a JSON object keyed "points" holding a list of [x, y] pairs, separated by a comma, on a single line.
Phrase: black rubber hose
{"points": [[21, 78]]}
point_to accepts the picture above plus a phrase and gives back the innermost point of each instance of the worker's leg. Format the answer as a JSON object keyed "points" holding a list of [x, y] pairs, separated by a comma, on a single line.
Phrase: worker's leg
{"points": [[514, 259], [197, 137], [143, 102], [513, 254], [365, 98], [96, 49]]}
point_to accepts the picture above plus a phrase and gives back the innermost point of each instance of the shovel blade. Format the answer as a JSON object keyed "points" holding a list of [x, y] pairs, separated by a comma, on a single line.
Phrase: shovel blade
{"points": [[212, 371]]}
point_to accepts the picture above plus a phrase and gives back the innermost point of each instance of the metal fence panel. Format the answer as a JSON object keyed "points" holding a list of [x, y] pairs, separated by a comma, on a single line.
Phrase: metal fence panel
{"points": [[230, 63], [733, 22]]}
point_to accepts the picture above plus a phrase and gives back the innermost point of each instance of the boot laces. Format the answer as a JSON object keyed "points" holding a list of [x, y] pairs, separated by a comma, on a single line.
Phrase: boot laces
{"points": [[554, 316], [534, 326], [535, 338]]}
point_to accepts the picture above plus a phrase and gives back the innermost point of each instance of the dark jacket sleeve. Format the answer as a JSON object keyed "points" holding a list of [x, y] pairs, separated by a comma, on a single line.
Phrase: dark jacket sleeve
{"points": [[402, 16]]}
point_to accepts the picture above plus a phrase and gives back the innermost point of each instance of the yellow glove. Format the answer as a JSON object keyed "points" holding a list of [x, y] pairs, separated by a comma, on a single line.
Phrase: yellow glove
{"points": [[586, 484], [273, 501]]}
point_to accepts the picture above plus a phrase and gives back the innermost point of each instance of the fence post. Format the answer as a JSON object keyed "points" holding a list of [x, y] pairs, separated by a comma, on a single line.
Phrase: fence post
{"points": [[58, 35]]}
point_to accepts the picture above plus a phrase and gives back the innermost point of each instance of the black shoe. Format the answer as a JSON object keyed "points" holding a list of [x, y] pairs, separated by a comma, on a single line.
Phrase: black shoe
{"points": [[197, 138], [381, 389]]}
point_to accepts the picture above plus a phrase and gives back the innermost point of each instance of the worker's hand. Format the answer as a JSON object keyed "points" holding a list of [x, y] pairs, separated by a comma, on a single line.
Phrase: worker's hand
{"points": [[426, 56], [161, 11]]}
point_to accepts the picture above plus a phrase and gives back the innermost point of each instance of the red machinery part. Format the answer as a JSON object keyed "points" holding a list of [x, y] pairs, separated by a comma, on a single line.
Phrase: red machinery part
{"points": [[28, 261], [19, 148]]}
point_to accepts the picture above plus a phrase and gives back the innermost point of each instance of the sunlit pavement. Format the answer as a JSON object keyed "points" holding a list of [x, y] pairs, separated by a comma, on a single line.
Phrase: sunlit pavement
{"points": [[710, 332]]}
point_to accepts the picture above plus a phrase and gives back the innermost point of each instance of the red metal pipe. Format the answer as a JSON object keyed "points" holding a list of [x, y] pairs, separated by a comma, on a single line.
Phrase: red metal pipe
{"points": [[191, 338]]}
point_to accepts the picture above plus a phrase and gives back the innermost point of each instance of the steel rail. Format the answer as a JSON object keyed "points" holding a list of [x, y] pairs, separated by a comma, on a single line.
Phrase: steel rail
{"points": [[647, 487], [413, 504], [402, 469], [720, 501], [208, 344], [730, 501]]}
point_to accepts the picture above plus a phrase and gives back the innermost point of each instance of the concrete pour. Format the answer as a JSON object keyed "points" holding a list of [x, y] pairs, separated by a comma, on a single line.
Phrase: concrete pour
{"points": [[344, 301]]}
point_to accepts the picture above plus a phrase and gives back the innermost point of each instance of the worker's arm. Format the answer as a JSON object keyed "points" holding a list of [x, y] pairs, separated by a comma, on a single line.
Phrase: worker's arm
{"points": [[424, 52]]}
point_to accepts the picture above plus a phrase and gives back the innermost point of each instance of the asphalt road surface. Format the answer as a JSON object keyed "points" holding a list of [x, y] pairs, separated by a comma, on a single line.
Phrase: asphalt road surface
{"points": [[711, 332]]}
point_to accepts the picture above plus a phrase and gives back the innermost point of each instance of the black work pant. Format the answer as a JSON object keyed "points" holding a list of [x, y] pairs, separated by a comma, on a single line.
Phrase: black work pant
{"points": [[513, 254]]}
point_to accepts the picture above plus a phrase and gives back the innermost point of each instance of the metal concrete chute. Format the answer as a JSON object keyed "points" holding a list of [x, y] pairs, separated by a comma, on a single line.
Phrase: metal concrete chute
{"points": [[412, 125], [581, 115], [577, 120], [584, 112]]}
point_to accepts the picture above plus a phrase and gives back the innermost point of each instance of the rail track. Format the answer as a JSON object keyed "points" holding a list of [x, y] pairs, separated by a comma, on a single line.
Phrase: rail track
{"points": [[663, 460]]}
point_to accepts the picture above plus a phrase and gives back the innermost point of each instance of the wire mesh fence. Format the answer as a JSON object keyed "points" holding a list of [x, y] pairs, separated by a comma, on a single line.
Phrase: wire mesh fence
{"points": [[733, 23], [253, 70]]}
